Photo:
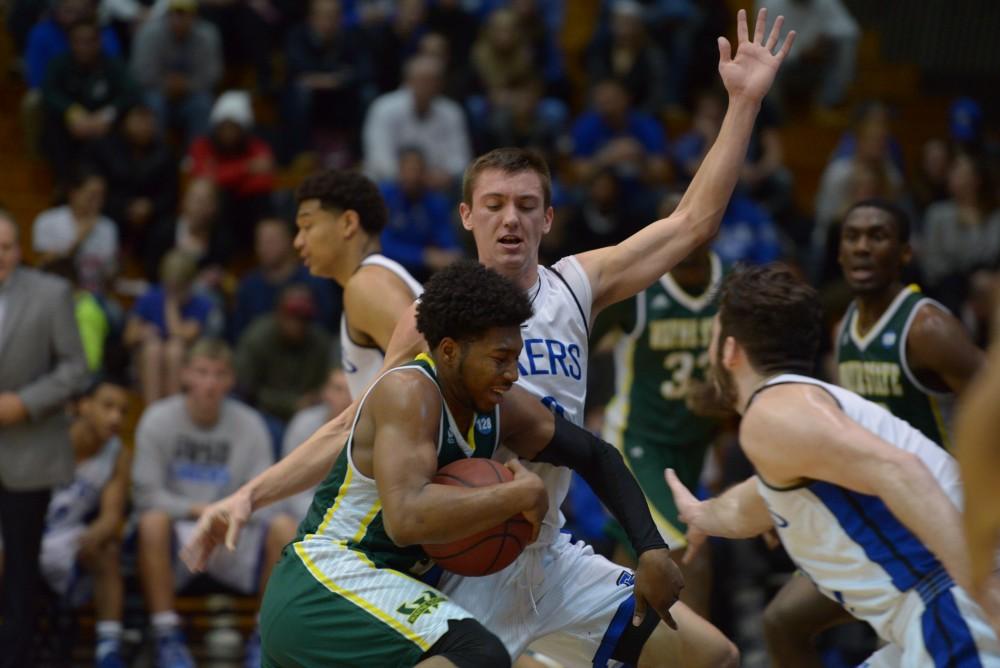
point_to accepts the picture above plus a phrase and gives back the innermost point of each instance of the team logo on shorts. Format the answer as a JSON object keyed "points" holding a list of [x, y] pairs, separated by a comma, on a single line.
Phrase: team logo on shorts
{"points": [[428, 602], [626, 579]]}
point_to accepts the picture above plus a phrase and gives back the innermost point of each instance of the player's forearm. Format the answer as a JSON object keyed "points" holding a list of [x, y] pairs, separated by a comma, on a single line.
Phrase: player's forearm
{"points": [[444, 513], [305, 467], [739, 512], [914, 496], [708, 195]]}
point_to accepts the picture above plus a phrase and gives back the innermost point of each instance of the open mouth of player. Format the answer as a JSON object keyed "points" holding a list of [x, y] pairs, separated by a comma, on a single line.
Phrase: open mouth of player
{"points": [[510, 241], [862, 273], [497, 392]]}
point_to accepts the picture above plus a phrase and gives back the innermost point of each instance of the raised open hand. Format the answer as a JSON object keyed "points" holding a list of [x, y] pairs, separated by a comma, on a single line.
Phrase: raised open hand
{"points": [[751, 73]]}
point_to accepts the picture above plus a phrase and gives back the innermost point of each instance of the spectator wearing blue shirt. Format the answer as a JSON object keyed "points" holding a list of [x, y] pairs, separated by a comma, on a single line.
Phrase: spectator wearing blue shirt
{"points": [[419, 234], [165, 321], [50, 38], [613, 134], [746, 234], [277, 268]]}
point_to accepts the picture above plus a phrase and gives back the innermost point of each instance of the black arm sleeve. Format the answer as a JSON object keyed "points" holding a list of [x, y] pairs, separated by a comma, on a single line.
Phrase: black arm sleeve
{"points": [[602, 466]]}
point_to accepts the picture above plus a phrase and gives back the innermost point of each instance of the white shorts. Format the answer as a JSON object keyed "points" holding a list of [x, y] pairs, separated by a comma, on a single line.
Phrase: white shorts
{"points": [[58, 558], [573, 602], [948, 630], [239, 569]]}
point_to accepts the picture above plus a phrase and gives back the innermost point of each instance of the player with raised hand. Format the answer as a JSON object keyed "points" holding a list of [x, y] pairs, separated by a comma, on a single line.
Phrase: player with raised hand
{"points": [[863, 502], [506, 204]]}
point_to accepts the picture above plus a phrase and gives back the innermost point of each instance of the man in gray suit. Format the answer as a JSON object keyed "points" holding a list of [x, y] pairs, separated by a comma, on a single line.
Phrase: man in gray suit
{"points": [[41, 366]]}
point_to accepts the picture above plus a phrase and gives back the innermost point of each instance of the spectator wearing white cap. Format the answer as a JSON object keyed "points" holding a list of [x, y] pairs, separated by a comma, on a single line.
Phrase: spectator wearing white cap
{"points": [[177, 58], [240, 164]]}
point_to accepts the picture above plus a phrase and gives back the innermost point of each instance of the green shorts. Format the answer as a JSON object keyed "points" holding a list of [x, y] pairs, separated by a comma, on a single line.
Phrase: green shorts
{"points": [[333, 607], [647, 462]]}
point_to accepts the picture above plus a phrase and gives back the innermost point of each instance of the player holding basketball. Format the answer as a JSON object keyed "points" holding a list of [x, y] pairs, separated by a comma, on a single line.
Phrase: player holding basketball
{"points": [[344, 591], [896, 348], [864, 503], [340, 219], [506, 204]]}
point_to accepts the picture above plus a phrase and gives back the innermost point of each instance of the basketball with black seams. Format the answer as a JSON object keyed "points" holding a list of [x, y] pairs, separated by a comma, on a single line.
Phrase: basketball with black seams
{"points": [[488, 551]]}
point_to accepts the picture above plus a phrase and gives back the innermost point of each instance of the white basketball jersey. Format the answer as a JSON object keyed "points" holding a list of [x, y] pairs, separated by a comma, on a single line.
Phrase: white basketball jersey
{"points": [[362, 362], [75, 501], [553, 364], [850, 544]]}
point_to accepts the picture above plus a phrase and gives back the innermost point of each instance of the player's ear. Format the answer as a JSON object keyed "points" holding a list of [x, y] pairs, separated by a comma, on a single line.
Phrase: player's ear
{"points": [[729, 352], [464, 211], [549, 215], [352, 223], [449, 350], [906, 254]]}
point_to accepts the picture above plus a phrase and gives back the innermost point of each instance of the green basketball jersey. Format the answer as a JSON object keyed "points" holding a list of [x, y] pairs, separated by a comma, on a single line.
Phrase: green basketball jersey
{"points": [[875, 366], [346, 510], [665, 348]]}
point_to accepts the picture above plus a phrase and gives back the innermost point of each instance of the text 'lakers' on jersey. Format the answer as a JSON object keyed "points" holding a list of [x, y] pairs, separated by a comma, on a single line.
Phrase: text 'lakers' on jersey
{"points": [[658, 358], [875, 365], [346, 513]]}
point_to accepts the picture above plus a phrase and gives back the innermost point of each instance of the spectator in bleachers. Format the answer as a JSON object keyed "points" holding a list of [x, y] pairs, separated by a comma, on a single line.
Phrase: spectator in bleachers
{"points": [[962, 234], [457, 73], [326, 68], [141, 174], [930, 183], [192, 449], [195, 231], [417, 115], [606, 214], [85, 517], [869, 172], [419, 233], [177, 58], [282, 358], [397, 42], [450, 19], [614, 134], [239, 163], [870, 113], [78, 230], [164, 323], [826, 46], [526, 122], [627, 54], [92, 321], [336, 397], [246, 29], [84, 92], [278, 267], [746, 234], [49, 38], [501, 57]]}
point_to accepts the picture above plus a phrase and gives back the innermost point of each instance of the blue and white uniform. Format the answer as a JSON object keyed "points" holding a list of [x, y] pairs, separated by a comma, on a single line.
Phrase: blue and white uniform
{"points": [[861, 556], [71, 509], [573, 602], [362, 362]]}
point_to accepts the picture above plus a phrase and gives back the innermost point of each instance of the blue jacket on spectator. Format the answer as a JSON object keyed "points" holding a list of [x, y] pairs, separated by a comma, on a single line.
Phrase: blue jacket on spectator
{"points": [[255, 296], [414, 225], [48, 39], [590, 133], [747, 234]]}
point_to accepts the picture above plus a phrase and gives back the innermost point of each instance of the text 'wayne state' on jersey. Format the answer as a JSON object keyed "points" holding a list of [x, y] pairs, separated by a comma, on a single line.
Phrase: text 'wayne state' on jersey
{"points": [[875, 365]]}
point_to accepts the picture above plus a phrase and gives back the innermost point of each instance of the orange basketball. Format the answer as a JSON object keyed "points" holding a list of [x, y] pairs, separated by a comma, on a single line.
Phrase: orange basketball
{"points": [[487, 551]]}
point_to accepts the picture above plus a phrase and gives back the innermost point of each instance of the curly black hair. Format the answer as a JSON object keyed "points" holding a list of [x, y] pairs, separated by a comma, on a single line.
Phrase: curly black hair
{"points": [[340, 190], [774, 315], [465, 299]]}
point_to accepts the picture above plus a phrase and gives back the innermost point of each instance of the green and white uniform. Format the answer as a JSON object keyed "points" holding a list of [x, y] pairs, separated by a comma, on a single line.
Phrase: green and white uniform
{"points": [[343, 593], [875, 365], [668, 332]]}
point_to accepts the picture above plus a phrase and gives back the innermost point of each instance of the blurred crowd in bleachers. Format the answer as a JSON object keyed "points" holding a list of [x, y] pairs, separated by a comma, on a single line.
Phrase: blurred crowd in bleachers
{"points": [[175, 130]]}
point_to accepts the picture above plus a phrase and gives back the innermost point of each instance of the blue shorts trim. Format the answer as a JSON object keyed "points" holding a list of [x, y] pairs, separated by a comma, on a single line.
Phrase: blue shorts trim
{"points": [[619, 623]]}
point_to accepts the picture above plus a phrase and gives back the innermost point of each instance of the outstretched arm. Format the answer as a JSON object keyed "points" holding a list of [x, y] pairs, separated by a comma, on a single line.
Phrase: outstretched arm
{"points": [[620, 271], [795, 432]]}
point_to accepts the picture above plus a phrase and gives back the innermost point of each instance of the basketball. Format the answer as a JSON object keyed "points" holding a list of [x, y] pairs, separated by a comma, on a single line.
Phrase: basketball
{"points": [[487, 551]]}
